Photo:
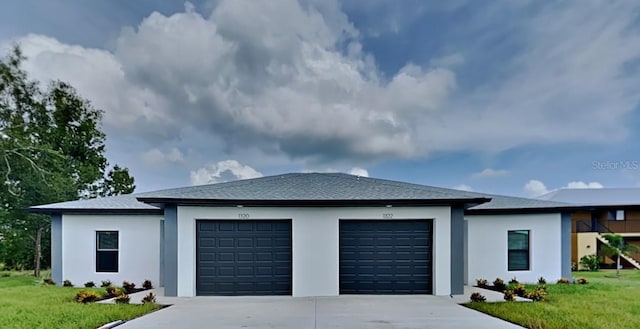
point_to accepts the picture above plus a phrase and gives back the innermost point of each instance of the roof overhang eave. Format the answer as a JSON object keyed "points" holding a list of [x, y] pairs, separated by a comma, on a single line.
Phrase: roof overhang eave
{"points": [[94, 211], [525, 210], [461, 202]]}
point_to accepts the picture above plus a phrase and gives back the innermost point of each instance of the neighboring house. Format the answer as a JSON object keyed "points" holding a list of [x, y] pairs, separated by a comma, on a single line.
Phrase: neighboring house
{"points": [[308, 234], [601, 211]]}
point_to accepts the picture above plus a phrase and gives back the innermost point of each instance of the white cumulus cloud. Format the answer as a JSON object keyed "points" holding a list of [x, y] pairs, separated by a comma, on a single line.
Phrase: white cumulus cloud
{"points": [[292, 79], [490, 173], [581, 184], [271, 75], [463, 187], [535, 188], [359, 172], [223, 171], [157, 157]]}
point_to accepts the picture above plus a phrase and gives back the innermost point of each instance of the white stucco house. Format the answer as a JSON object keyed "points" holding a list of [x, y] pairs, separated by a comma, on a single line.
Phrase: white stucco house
{"points": [[308, 234]]}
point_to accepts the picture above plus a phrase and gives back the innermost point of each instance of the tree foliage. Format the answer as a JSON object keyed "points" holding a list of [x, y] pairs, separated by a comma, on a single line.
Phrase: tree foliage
{"points": [[51, 150], [617, 247]]}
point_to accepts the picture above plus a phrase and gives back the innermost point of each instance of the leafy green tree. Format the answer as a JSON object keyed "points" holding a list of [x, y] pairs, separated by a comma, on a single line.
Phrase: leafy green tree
{"points": [[118, 181], [616, 247], [51, 150]]}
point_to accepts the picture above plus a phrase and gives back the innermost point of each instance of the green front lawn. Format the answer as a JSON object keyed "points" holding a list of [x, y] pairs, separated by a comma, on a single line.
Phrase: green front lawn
{"points": [[25, 303], [606, 302]]}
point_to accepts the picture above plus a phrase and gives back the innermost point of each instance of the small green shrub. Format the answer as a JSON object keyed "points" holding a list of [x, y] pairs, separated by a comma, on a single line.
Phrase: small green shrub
{"points": [[48, 282], [537, 295], [542, 280], [582, 281], [114, 292], [67, 283], [151, 298], [129, 287], [89, 284], [513, 281], [563, 281], [520, 290], [498, 284], [86, 296], [590, 262], [509, 295], [476, 297], [105, 283], [147, 285], [123, 299]]}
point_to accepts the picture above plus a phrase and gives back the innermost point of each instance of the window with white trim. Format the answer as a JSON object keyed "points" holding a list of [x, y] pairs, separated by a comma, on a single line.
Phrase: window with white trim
{"points": [[107, 251]]}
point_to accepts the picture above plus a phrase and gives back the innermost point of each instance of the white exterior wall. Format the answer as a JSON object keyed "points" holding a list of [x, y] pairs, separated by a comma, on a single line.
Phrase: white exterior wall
{"points": [[487, 247], [138, 253], [314, 242]]}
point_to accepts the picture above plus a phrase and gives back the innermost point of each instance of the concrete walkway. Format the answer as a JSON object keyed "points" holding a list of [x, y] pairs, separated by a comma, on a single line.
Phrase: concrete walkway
{"points": [[347, 311]]}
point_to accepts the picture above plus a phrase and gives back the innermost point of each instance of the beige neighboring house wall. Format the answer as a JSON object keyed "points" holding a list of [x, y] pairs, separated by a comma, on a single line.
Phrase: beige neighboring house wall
{"points": [[587, 244]]}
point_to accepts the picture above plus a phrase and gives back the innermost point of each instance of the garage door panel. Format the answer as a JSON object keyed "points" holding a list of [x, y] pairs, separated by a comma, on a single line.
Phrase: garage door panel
{"points": [[226, 243], [245, 242], [281, 242], [264, 242], [226, 226], [245, 257], [245, 227], [264, 270], [385, 257], [251, 258], [224, 256], [208, 242], [209, 271]]}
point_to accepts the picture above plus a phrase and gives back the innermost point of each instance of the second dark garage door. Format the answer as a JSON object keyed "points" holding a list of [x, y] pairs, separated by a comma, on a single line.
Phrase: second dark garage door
{"points": [[242, 257], [385, 257]]}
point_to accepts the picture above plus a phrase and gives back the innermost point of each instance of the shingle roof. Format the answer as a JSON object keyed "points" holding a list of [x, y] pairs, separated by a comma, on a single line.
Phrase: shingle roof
{"points": [[117, 204], [500, 203], [311, 187], [596, 197], [308, 188]]}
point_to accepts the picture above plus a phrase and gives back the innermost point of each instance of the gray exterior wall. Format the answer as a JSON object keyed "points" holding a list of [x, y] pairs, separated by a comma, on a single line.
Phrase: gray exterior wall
{"points": [[56, 248], [170, 239], [565, 252], [466, 252], [457, 251]]}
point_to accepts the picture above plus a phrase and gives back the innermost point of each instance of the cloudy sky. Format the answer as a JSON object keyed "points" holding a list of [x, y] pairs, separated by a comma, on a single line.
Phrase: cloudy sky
{"points": [[511, 97]]}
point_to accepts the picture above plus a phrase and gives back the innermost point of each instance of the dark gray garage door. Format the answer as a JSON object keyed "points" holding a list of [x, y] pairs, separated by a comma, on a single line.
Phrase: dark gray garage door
{"points": [[238, 257], [385, 257]]}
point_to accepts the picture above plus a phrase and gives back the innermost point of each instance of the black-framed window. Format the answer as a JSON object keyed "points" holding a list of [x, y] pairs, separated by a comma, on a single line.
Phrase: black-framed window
{"points": [[616, 215], [518, 257], [106, 251]]}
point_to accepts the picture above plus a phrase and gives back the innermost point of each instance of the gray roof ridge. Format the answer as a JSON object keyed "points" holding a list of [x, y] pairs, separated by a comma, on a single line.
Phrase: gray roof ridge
{"points": [[445, 192], [238, 182], [527, 199], [415, 186]]}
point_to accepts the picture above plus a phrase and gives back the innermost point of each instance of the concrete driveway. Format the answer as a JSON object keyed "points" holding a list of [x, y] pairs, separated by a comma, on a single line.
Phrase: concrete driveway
{"points": [[407, 312]]}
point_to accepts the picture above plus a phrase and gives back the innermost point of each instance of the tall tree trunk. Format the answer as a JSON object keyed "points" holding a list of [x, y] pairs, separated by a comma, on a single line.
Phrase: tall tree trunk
{"points": [[37, 255]]}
